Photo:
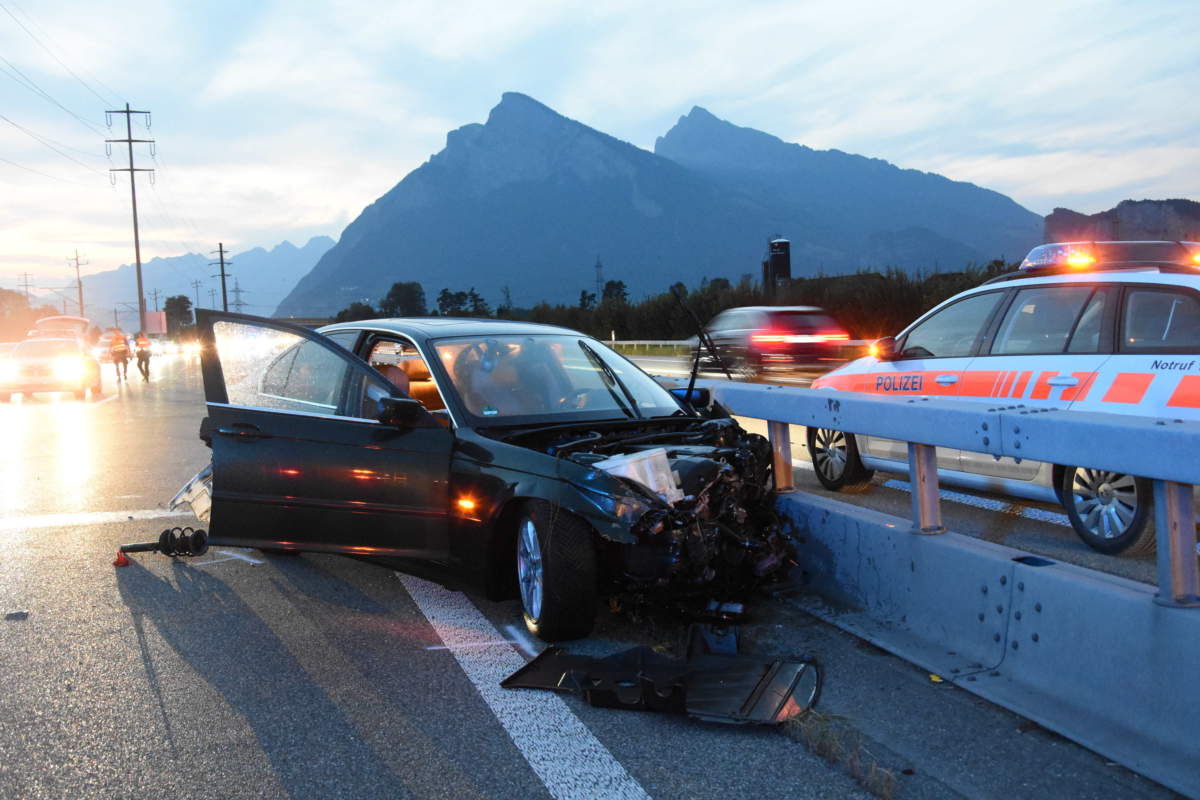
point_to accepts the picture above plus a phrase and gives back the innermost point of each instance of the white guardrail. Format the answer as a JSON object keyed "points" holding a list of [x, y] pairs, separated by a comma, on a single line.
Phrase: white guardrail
{"points": [[1105, 661]]}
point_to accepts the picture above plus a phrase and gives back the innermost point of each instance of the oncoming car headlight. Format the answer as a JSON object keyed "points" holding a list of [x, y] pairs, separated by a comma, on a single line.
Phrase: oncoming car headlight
{"points": [[68, 369]]}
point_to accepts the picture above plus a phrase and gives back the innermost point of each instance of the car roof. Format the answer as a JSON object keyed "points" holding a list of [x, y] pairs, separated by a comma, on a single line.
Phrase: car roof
{"points": [[425, 328], [1149, 274]]}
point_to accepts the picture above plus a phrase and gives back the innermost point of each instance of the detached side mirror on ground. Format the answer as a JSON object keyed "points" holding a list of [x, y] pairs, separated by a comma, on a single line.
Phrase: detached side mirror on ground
{"points": [[884, 349], [399, 411]]}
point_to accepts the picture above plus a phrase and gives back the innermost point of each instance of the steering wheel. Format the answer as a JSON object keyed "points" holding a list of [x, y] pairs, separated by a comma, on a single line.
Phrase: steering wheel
{"points": [[575, 398]]}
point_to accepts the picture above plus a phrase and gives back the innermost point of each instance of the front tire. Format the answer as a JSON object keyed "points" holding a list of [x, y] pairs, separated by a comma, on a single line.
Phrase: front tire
{"points": [[556, 572], [836, 461], [1111, 512]]}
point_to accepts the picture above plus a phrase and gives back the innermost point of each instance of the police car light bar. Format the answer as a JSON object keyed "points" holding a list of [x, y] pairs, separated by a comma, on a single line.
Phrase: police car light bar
{"points": [[1069, 254]]}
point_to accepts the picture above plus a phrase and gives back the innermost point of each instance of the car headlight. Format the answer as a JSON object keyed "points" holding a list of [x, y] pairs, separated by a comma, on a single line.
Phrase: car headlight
{"points": [[625, 506], [68, 369]]}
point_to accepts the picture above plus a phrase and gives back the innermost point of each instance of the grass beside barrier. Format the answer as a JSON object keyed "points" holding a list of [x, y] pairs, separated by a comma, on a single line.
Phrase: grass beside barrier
{"points": [[833, 739], [652, 349]]}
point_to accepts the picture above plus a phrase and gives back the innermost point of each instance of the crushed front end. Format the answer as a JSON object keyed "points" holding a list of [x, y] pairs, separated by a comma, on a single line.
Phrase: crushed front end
{"points": [[715, 535]]}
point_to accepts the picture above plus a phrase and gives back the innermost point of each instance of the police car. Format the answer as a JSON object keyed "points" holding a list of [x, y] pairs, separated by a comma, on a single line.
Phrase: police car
{"points": [[1096, 326]]}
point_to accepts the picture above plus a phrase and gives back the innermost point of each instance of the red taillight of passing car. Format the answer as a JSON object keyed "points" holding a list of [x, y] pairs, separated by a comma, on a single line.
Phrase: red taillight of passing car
{"points": [[775, 338], [769, 338]]}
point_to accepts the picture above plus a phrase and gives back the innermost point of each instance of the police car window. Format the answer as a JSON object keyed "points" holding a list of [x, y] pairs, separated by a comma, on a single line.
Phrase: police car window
{"points": [[1086, 338], [952, 331], [1040, 320], [1158, 319]]}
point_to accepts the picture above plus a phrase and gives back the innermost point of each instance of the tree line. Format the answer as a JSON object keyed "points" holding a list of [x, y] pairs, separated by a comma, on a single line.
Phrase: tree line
{"points": [[869, 304]]}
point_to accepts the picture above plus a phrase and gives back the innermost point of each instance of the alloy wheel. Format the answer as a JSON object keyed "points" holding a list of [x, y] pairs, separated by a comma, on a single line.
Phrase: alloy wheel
{"points": [[829, 455], [1106, 502], [529, 569]]}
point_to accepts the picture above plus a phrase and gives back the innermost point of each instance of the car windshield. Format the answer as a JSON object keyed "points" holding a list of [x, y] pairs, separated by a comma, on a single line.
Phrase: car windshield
{"points": [[516, 378], [45, 348]]}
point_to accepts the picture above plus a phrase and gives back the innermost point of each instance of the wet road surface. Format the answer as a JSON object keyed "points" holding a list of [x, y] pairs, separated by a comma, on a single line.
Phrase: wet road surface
{"points": [[241, 674]]}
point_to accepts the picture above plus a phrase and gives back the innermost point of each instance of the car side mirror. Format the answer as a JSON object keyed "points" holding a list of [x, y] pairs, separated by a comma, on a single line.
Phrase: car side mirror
{"points": [[399, 411], [884, 349], [699, 397]]}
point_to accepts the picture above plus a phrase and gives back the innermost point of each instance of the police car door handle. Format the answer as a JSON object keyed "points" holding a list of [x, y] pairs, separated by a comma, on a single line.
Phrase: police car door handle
{"points": [[243, 430], [946, 380], [1063, 380]]}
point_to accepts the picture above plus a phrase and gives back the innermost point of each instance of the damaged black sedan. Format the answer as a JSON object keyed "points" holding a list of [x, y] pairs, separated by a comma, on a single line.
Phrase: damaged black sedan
{"points": [[530, 459]]}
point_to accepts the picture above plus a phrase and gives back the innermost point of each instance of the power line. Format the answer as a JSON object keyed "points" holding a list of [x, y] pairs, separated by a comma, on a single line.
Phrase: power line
{"points": [[223, 263], [52, 55], [46, 142], [37, 172], [25, 280], [137, 245], [196, 286], [32, 86]]}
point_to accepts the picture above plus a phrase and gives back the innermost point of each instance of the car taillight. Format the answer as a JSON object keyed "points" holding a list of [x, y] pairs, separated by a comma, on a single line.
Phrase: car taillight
{"points": [[834, 336], [769, 338]]}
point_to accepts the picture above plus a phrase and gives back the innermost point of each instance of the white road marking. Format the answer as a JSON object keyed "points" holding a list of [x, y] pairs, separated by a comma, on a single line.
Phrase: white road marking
{"points": [[108, 399], [241, 556], [86, 518], [560, 749], [522, 640], [473, 644]]}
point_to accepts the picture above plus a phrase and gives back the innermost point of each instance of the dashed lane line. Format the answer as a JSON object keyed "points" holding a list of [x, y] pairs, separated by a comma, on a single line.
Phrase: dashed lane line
{"points": [[569, 760], [86, 518]]}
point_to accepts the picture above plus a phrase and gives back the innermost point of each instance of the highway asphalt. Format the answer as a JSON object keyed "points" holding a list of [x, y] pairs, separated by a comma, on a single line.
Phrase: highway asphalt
{"points": [[241, 674]]}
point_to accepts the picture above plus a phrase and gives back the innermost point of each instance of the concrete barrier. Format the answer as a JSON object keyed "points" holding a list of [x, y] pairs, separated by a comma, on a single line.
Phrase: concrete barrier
{"points": [[1088, 655]]}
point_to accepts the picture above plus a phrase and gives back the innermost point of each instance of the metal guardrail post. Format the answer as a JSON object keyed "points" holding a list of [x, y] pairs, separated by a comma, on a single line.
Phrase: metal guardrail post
{"points": [[780, 434], [923, 477], [1178, 564]]}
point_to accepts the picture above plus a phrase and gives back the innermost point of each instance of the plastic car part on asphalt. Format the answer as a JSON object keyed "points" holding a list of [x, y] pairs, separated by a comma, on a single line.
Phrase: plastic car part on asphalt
{"points": [[710, 686]]}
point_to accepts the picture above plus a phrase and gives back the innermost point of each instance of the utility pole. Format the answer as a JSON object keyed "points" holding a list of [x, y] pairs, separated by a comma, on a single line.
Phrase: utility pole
{"points": [[25, 280], [599, 280], [238, 304], [212, 298], [78, 280], [137, 245], [223, 263], [196, 287], [155, 293]]}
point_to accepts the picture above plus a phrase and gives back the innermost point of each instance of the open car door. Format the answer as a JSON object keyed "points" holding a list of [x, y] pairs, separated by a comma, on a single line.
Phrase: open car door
{"points": [[301, 460]]}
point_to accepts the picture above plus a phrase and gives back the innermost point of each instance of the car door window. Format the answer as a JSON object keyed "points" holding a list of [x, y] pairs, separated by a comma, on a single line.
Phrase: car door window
{"points": [[1040, 320], [952, 331], [1087, 335], [1160, 319], [279, 370]]}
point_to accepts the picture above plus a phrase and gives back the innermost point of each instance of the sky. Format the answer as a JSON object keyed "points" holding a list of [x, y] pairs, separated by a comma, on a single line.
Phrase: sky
{"points": [[283, 120]]}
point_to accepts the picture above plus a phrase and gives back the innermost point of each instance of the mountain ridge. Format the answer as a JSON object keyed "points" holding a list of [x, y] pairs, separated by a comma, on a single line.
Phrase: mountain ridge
{"points": [[529, 200]]}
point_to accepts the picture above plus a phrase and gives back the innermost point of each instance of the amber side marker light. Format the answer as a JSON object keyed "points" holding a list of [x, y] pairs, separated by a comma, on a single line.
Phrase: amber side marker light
{"points": [[1196, 259], [465, 504]]}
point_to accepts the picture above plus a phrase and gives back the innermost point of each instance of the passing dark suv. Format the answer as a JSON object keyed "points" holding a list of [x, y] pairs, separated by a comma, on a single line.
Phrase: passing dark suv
{"points": [[751, 339]]}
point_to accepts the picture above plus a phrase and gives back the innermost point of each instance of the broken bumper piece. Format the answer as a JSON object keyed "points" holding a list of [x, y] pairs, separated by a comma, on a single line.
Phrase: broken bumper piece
{"points": [[714, 687]]}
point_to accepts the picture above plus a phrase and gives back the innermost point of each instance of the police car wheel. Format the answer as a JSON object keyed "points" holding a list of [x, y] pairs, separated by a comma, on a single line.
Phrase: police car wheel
{"points": [[1111, 512], [836, 462]]}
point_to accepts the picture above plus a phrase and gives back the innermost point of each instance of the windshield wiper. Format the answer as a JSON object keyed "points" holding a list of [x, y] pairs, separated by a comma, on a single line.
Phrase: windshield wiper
{"points": [[612, 380]]}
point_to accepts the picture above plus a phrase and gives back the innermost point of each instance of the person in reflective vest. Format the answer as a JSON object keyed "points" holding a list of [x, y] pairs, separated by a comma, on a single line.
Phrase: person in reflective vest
{"points": [[142, 346], [118, 349]]}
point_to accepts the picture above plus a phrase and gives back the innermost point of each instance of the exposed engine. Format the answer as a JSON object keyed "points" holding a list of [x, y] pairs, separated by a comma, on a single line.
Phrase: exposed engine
{"points": [[723, 537]]}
